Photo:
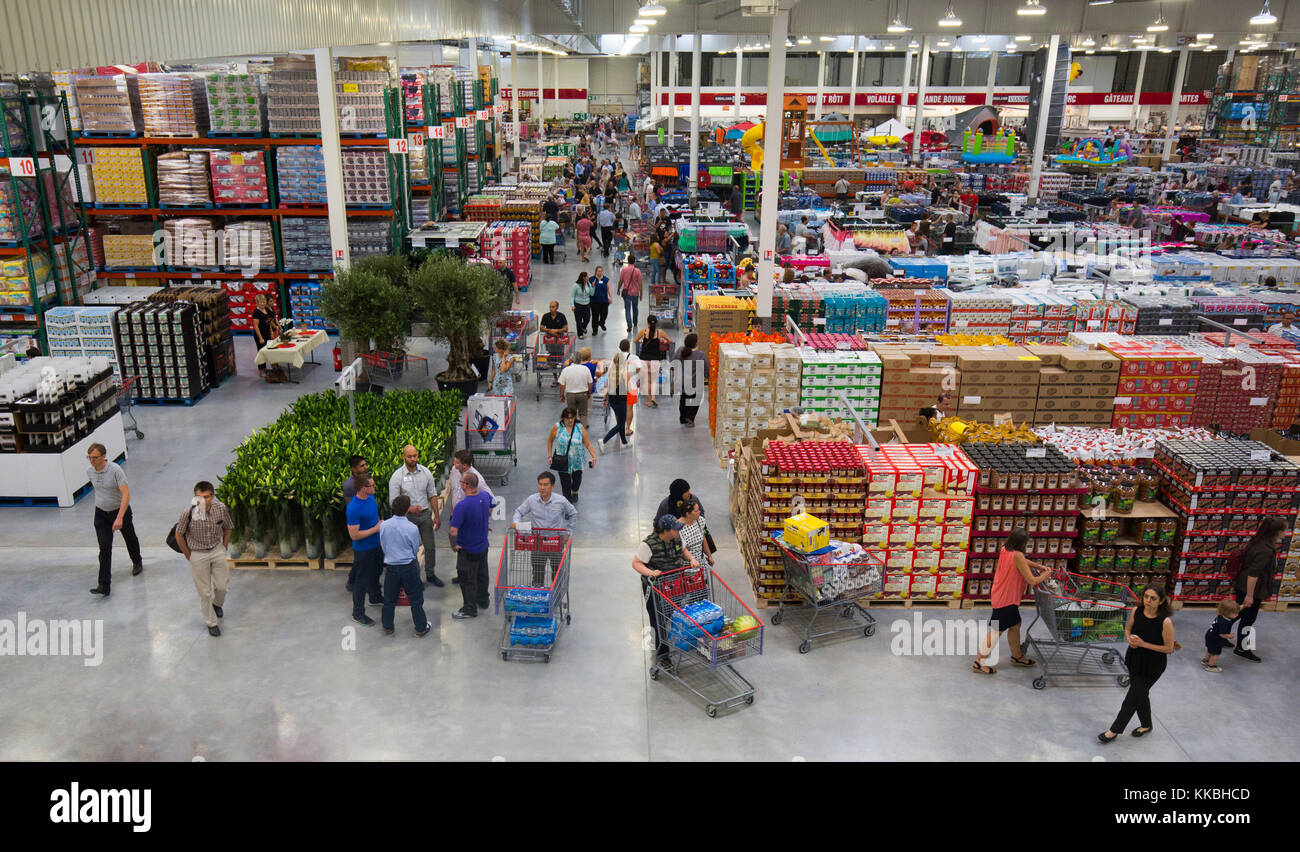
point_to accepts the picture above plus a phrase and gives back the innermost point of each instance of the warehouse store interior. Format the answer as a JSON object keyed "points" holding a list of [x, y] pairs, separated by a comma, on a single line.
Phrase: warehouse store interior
{"points": [[650, 381]]}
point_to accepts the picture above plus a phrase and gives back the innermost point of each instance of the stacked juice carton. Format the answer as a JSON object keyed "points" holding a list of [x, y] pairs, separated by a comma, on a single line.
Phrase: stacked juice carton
{"points": [[1075, 387], [235, 103], [1162, 380], [980, 313], [854, 373], [918, 517], [118, 176], [756, 381]]}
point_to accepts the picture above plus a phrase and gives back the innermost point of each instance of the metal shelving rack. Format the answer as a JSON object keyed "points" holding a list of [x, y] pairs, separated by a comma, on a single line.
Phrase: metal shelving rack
{"points": [[1270, 102]]}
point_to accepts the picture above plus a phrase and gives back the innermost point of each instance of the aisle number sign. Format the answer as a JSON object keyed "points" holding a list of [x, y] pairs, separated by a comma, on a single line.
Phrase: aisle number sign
{"points": [[485, 115], [436, 131], [417, 141], [397, 146], [499, 109], [464, 122], [22, 166]]}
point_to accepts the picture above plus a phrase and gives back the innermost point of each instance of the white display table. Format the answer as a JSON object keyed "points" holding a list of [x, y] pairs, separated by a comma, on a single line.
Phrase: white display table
{"points": [[59, 476], [304, 341]]}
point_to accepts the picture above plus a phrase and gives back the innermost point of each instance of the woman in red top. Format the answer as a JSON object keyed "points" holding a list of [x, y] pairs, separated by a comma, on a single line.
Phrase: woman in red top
{"points": [[583, 227], [1014, 575]]}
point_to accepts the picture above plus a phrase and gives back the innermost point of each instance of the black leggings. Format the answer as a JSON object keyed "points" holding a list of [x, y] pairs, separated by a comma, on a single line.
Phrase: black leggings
{"points": [[661, 647], [570, 483], [1136, 700], [686, 413], [581, 314], [548, 253], [599, 313], [618, 402], [1246, 619]]}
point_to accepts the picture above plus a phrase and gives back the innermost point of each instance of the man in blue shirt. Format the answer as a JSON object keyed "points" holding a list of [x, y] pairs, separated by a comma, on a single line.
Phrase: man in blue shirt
{"points": [[363, 529], [469, 538], [400, 540]]}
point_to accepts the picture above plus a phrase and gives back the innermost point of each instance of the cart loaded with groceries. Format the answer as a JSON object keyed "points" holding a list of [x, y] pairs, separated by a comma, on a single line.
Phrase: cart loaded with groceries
{"points": [[550, 353], [1084, 619], [532, 590]]}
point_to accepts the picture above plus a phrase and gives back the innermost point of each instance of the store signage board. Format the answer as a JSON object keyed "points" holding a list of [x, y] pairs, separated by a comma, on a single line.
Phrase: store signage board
{"points": [[435, 131], [1036, 452], [350, 89], [1261, 455], [1166, 321], [398, 146], [86, 156], [417, 141], [22, 166], [1258, 400], [464, 122]]}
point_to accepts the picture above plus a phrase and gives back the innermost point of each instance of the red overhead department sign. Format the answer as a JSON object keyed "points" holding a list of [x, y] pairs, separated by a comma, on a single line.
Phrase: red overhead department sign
{"points": [[549, 94], [966, 99]]}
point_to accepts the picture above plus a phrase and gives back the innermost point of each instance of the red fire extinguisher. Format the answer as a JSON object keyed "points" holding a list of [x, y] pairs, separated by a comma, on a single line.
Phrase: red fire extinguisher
{"points": [[338, 360]]}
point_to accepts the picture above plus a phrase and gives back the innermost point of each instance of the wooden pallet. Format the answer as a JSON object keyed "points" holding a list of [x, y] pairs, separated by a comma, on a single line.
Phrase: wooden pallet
{"points": [[273, 561], [1280, 606], [946, 603], [342, 562]]}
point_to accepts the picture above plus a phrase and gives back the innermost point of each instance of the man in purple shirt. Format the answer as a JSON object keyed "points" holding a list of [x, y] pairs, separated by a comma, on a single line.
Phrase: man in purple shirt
{"points": [[469, 539]]}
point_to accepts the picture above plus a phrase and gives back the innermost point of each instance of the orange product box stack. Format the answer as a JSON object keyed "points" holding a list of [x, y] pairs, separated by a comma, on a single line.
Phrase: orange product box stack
{"points": [[1162, 377]]}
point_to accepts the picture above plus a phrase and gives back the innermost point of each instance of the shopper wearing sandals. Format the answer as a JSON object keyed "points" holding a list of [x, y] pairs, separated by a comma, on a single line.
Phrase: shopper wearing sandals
{"points": [[1150, 636], [1014, 576], [1219, 636]]}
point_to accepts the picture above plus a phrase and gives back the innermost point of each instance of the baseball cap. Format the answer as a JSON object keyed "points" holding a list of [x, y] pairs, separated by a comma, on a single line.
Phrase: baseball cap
{"points": [[667, 522]]}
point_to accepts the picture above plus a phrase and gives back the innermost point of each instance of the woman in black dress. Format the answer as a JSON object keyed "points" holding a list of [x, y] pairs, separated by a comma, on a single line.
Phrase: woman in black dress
{"points": [[264, 331], [1150, 635]]}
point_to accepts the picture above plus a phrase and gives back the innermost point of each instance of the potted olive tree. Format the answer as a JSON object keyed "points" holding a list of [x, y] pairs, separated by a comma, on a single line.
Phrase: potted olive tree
{"points": [[458, 299], [370, 301]]}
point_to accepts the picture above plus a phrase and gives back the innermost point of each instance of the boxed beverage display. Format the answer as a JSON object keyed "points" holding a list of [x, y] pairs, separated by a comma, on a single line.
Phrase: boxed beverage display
{"points": [[979, 312], [510, 244], [827, 375], [239, 178], [214, 325], [242, 301], [172, 105], [183, 179], [292, 105], [365, 177], [1221, 491], [84, 332], [305, 242], [359, 98], [109, 106], [1075, 387], [368, 236], [236, 103], [300, 174], [1146, 406], [163, 346]]}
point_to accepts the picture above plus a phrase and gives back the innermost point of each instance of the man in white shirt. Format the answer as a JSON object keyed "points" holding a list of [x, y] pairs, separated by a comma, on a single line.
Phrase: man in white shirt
{"points": [[577, 382], [1275, 191], [462, 462], [1288, 318], [842, 190], [605, 219], [415, 481]]}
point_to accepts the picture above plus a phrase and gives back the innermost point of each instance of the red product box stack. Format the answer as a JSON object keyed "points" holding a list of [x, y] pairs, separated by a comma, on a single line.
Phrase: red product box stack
{"points": [[243, 301], [822, 341], [1162, 380], [1286, 407], [510, 243], [238, 177], [1099, 315], [1248, 391]]}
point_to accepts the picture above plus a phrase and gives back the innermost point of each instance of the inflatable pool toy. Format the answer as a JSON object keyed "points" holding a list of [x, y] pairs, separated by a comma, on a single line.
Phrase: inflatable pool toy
{"points": [[884, 140], [1093, 153], [978, 148], [751, 142], [820, 147]]}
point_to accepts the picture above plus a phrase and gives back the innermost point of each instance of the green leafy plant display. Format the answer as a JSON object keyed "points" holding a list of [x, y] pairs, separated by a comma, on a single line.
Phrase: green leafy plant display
{"points": [[371, 300], [285, 485], [458, 299]]}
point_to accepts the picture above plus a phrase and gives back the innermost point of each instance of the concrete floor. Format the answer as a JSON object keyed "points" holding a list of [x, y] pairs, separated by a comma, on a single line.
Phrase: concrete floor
{"points": [[281, 685]]}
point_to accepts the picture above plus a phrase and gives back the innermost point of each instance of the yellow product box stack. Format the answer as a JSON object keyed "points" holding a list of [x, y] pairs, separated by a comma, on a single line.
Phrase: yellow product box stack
{"points": [[118, 175]]}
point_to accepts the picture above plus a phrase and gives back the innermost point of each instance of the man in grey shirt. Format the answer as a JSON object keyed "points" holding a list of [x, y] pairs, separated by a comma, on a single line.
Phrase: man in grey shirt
{"points": [[112, 512], [545, 510], [414, 481]]}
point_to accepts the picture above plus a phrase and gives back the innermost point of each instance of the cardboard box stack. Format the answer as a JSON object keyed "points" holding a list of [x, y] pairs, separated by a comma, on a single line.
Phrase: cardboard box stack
{"points": [[825, 375], [109, 105], [300, 174], [1286, 406], [1075, 387], [118, 176], [980, 313], [292, 107], [235, 103], [917, 520], [1162, 379], [172, 105], [908, 382], [914, 306], [183, 179], [1105, 315], [755, 381], [996, 381], [510, 243], [238, 177], [1040, 317], [718, 314]]}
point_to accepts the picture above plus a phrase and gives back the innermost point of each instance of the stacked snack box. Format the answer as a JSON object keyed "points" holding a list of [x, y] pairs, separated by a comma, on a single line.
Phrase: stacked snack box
{"points": [[510, 243], [172, 105], [304, 305], [235, 103], [483, 208], [359, 98], [292, 106], [1163, 380], [825, 375], [914, 306], [238, 177], [851, 312], [128, 250], [118, 175], [365, 177], [917, 519], [1040, 317], [1286, 409], [1032, 487], [718, 314], [1076, 387], [300, 174], [108, 105], [982, 312], [1222, 491], [242, 298], [752, 378], [908, 382], [183, 179], [529, 211], [1105, 315], [996, 381]]}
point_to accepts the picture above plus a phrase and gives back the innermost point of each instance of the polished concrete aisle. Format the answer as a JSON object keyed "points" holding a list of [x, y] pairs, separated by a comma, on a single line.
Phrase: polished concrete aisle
{"points": [[290, 678]]}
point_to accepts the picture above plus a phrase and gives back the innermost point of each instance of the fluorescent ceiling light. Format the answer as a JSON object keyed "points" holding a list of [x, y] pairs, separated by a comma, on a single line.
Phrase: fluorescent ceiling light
{"points": [[1100, 2], [645, 22], [1032, 7], [652, 10], [828, 38], [897, 25], [1204, 36], [944, 43], [1159, 25], [1264, 18], [1090, 52], [805, 40], [1023, 38], [950, 19], [638, 28], [1088, 41], [1166, 50], [1210, 47]]}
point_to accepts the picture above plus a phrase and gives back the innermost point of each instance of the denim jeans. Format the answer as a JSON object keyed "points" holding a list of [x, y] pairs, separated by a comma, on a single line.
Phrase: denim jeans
{"points": [[404, 578], [631, 310], [367, 565], [654, 270]]}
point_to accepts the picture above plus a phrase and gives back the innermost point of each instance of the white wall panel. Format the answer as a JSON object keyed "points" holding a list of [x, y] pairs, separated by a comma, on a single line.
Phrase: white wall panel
{"points": [[44, 35]]}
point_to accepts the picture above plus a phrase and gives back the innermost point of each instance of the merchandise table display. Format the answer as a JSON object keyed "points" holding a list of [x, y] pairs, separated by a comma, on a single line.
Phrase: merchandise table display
{"points": [[301, 343]]}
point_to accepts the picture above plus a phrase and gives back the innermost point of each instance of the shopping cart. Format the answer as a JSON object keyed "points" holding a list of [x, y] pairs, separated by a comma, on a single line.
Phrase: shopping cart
{"points": [[125, 402], [1085, 619], [396, 369], [550, 352], [513, 327], [706, 627], [833, 589], [492, 444], [532, 590]]}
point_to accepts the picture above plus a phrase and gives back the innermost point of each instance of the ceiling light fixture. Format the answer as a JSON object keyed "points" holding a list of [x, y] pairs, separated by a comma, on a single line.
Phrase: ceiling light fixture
{"points": [[1264, 18], [1159, 25], [1090, 52], [638, 28], [1023, 38], [1088, 41], [645, 22], [897, 25], [1204, 36], [950, 19], [652, 10], [805, 40], [828, 38], [1100, 2], [1032, 7]]}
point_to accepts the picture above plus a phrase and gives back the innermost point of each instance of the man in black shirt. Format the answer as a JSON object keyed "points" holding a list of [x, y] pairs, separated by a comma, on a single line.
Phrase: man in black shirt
{"points": [[554, 321], [509, 274], [550, 209]]}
